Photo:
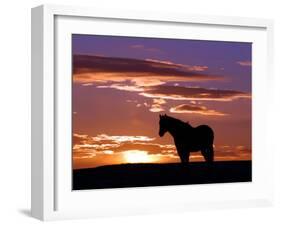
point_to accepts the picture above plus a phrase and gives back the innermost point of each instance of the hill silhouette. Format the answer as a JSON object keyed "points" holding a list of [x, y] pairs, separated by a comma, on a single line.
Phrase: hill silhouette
{"points": [[142, 175]]}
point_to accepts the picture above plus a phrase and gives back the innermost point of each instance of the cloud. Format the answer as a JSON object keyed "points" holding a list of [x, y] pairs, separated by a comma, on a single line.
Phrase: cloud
{"points": [[108, 152], [192, 93], [240, 147], [130, 88], [184, 67], [85, 146], [245, 63], [105, 149], [144, 48], [156, 108], [118, 139], [232, 152], [97, 69], [157, 105], [159, 101], [87, 84], [160, 95], [195, 109]]}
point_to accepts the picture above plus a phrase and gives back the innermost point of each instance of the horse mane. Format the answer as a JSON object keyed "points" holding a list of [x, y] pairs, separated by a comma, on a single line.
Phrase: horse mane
{"points": [[178, 121]]}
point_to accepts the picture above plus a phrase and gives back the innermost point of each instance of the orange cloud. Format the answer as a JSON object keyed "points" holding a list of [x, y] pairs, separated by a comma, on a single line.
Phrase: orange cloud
{"points": [[166, 92], [85, 146], [159, 101], [192, 93], [97, 69], [87, 84], [157, 105], [195, 109], [185, 67], [130, 88], [245, 63], [108, 152], [118, 139], [156, 108], [231, 152], [104, 149]]}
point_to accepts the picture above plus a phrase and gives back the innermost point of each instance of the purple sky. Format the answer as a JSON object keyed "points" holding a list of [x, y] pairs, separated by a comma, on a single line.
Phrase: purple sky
{"points": [[220, 57]]}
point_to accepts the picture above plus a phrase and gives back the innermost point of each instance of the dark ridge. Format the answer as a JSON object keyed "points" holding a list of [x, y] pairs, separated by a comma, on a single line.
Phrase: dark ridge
{"points": [[143, 175]]}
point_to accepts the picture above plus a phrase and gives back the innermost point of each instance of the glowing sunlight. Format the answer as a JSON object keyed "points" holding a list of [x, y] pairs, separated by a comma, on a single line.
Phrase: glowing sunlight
{"points": [[137, 156]]}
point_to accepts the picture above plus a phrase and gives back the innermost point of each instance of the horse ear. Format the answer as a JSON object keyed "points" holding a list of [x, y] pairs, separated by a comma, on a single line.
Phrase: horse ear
{"points": [[160, 116]]}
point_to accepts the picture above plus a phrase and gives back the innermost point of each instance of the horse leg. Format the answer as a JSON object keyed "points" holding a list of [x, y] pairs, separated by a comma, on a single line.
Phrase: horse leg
{"points": [[208, 154], [204, 153], [180, 152], [184, 156], [211, 154], [187, 156]]}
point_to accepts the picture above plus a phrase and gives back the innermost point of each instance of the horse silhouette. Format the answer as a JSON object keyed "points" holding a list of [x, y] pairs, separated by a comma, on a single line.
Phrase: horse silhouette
{"points": [[187, 138]]}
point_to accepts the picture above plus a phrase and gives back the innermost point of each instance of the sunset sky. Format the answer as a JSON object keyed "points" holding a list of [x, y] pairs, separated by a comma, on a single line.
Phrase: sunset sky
{"points": [[122, 84]]}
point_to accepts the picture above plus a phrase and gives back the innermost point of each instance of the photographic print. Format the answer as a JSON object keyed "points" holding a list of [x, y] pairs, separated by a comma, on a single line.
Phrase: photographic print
{"points": [[158, 112]]}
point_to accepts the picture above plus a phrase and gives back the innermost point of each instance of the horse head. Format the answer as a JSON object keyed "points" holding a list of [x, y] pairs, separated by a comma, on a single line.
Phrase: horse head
{"points": [[162, 125]]}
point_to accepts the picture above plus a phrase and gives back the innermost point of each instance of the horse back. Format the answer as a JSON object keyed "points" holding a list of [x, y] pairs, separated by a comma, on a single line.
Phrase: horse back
{"points": [[204, 133]]}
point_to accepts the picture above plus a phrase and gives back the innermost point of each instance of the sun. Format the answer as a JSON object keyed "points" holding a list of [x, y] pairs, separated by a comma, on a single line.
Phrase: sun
{"points": [[137, 156]]}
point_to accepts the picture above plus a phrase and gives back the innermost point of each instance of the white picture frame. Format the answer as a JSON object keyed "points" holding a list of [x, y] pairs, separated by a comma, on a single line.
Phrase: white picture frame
{"points": [[52, 197]]}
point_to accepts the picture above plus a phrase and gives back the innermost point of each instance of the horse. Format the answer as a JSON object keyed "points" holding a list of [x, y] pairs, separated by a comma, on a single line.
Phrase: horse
{"points": [[187, 138]]}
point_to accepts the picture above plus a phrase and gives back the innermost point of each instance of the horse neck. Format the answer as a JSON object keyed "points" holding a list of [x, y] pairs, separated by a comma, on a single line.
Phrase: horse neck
{"points": [[172, 131], [175, 129]]}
